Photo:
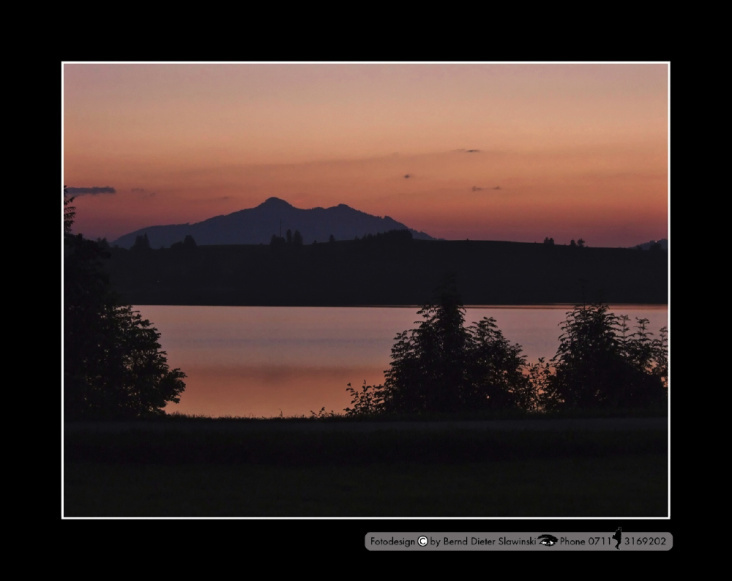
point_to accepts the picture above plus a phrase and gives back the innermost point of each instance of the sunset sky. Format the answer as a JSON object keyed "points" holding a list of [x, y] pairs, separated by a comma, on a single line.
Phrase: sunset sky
{"points": [[486, 151]]}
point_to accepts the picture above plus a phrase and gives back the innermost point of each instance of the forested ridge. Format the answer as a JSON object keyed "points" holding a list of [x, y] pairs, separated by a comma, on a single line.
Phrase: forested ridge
{"points": [[386, 270]]}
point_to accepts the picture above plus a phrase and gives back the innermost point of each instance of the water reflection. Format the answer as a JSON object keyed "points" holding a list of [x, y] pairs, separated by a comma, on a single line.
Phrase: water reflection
{"points": [[271, 361], [269, 390]]}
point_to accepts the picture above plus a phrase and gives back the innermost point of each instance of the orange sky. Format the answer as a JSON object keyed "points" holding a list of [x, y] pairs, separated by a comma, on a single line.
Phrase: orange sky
{"points": [[563, 150]]}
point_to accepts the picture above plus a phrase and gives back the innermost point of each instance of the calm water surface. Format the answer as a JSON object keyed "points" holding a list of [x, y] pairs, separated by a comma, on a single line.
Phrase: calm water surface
{"points": [[267, 361]]}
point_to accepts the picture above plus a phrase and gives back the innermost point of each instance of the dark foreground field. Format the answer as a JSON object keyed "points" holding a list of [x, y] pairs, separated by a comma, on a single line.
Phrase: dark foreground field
{"points": [[308, 468]]}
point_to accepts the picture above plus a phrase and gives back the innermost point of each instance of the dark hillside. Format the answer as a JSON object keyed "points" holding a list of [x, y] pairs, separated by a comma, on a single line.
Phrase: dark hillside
{"points": [[388, 271]]}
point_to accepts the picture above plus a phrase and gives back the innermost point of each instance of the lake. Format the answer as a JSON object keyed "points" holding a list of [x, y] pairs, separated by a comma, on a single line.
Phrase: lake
{"points": [[272, 361]]}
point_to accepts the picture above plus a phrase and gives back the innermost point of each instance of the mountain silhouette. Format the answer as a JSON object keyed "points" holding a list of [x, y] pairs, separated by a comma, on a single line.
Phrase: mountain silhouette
{"points": [[273, 217], [662, 244]]}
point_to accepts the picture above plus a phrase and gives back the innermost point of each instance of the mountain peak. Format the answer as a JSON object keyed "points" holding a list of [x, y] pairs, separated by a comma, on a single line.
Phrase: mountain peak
{"points": [[275, 203]]}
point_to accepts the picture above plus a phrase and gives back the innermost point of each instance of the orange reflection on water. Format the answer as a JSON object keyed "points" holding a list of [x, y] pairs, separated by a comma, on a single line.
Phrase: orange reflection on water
{"points": [[269, 391], [291, 361]]}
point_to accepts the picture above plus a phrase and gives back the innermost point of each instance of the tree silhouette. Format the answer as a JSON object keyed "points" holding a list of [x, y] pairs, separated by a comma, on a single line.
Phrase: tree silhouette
{"points": [[276, 242], [443, 367], [113, 363], [599, 364], [141, 243], [189, 243], [498, 371], [69, 213], [427, 372]]}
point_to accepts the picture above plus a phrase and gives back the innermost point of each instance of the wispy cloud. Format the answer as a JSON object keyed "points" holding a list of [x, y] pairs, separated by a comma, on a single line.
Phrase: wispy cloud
{"points": [[143, 192], [93, 191]]}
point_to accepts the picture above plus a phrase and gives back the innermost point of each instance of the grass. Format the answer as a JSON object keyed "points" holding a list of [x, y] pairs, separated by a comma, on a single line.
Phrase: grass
{"points": [[621, 486], [255, 468]]}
